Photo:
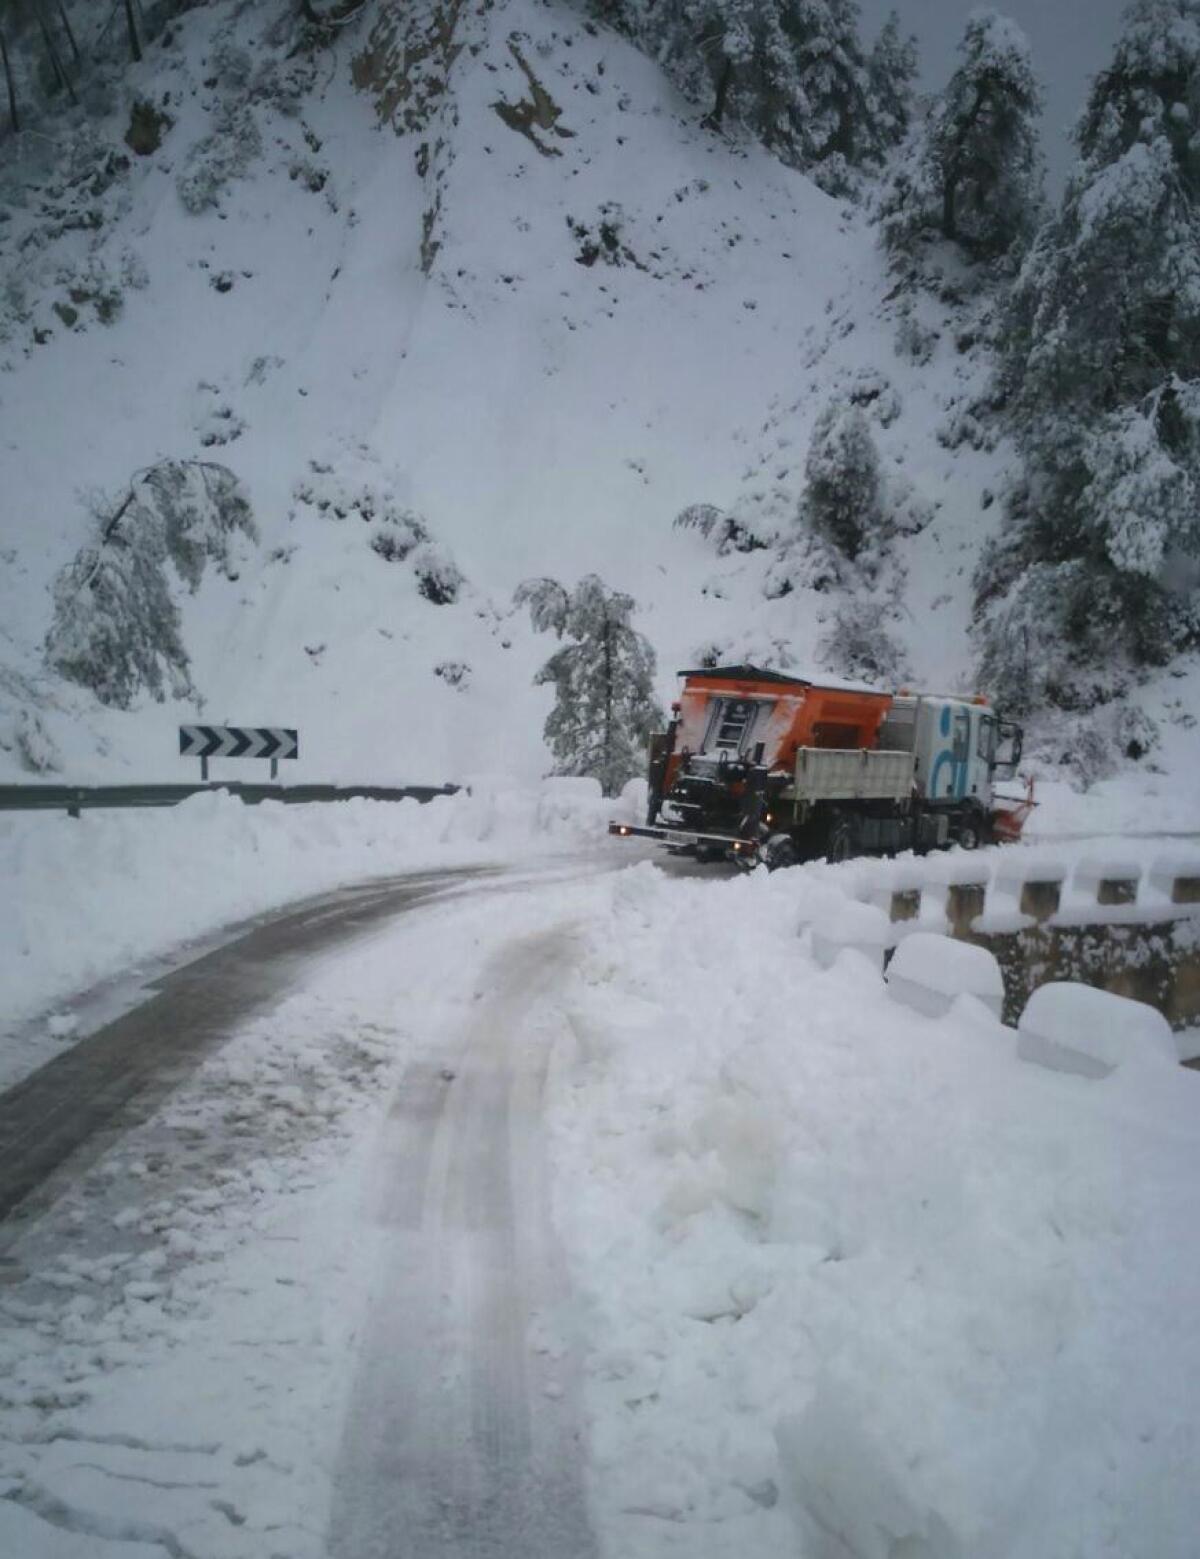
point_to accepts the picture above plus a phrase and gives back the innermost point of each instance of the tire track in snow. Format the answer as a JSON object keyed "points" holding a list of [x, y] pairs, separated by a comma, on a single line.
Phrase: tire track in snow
{"points": [[462, 1439]]}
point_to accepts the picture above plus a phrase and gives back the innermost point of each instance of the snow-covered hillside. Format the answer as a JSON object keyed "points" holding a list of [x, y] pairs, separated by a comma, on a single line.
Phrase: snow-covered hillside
{"points": [[506, 284]]}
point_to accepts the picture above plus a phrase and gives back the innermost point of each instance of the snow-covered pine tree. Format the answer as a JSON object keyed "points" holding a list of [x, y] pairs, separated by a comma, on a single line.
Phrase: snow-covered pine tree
{"points": [[603, 679], [843, 492], [792, 72], [1103, 376], [116, 627], [972, 172], [892, 71]]}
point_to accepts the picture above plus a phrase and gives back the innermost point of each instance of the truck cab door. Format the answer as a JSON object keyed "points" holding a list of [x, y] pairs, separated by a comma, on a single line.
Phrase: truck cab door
{"points": [[961, 751], [983, 759]]}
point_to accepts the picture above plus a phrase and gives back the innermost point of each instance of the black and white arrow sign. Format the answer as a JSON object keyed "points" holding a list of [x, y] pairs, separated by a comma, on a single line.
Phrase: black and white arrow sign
{"points": [[238, 741]]}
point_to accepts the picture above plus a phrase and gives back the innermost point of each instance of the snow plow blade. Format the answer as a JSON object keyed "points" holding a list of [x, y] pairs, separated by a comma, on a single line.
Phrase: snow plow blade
{"points": [[684, 839]]}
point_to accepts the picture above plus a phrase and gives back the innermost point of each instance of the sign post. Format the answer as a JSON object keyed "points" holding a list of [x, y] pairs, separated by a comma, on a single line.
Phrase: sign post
{"points": [[237, 741]]}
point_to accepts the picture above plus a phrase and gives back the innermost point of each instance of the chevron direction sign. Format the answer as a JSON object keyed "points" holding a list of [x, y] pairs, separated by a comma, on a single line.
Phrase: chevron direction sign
{"points": [[237, 741]]}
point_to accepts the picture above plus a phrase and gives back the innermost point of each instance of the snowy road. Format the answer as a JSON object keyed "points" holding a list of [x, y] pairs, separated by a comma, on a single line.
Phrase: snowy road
{"points": [[122, 1072], [460, 1437], [163, 1150]]}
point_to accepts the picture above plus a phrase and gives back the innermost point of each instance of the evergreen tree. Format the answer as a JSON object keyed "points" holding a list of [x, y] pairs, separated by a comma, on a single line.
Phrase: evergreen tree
{"points": [[603, 679], [116, 627], [843, 494], [972, 171], [891, 72], [1103, 372], [792, 72]]}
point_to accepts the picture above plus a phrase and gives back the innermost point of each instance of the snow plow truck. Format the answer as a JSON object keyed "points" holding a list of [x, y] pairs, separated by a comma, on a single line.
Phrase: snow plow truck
{"points": [[758, 766]]}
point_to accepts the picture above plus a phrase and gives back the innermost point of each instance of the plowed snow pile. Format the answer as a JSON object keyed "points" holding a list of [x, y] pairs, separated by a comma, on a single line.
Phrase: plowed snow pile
{"points": [[862, 1283]]}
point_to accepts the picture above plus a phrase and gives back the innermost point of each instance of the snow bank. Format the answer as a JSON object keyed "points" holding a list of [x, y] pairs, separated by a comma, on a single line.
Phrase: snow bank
{"points": [[91, 896], [1073, 1028], [859, 1282]]}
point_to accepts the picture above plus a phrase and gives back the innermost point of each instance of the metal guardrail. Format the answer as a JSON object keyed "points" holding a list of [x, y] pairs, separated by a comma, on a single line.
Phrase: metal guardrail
{"points": [[72, 799]]}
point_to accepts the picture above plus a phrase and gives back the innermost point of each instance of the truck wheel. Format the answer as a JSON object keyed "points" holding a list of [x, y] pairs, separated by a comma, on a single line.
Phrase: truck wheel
{"points": [[840, 845], [780, 852], [973, 831]]}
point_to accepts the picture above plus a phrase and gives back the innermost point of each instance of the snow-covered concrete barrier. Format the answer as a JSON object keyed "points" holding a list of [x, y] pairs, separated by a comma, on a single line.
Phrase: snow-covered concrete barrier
{"points": [[863, 927], [1104, 917], [929, 973], [1074, 1028]]}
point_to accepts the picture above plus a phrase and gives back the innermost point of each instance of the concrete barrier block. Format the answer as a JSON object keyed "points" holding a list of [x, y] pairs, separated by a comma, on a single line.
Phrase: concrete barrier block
{"points": [[863, 927], [1076, 1028], [964, 901], [1107, 880], [905, 904], [930, 972], [1176, 877]]}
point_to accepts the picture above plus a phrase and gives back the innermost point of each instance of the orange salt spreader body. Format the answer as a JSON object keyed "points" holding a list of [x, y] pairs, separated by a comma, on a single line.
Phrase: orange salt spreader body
{"points": [[787, 713]]}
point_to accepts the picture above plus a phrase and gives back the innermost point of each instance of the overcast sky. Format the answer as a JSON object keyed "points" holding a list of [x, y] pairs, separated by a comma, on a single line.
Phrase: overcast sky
{"points": [[1072, 40]]}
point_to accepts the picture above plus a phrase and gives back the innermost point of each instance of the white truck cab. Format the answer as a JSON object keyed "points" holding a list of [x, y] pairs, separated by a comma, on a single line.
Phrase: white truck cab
{"points": [[956, 742]]}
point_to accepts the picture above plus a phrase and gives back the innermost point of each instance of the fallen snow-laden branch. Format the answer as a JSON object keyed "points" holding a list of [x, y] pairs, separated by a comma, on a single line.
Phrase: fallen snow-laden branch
{"points": [[861, 1281], [86, 898]]}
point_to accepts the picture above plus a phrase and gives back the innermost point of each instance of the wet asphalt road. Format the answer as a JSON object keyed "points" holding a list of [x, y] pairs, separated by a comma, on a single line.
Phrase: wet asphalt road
{"points": [[73, 1107]]}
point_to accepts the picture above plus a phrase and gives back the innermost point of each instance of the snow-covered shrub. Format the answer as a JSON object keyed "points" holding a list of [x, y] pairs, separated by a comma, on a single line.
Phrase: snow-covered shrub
{"points": [[843, 492], [454, 673], [214, 419], [908, 510], [116, 627], [726, 533], [225, 154], [873, 392], [394, 533], [806, 561], [859, 646], [915, 341], [604, 238], [1069, 635], [603, 678], [93, 285], [35, 747], [439, 579]]}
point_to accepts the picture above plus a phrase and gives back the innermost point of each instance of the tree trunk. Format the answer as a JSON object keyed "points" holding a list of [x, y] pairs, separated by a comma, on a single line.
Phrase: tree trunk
{"points": [[949, 198], [12, 91], [66, 23], [718, 109], [60, 74], [135, 45]]}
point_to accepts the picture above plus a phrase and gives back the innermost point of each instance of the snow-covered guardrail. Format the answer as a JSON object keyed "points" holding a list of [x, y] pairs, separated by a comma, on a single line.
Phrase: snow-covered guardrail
{"points": [[72, 799], [1117, 920]]}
